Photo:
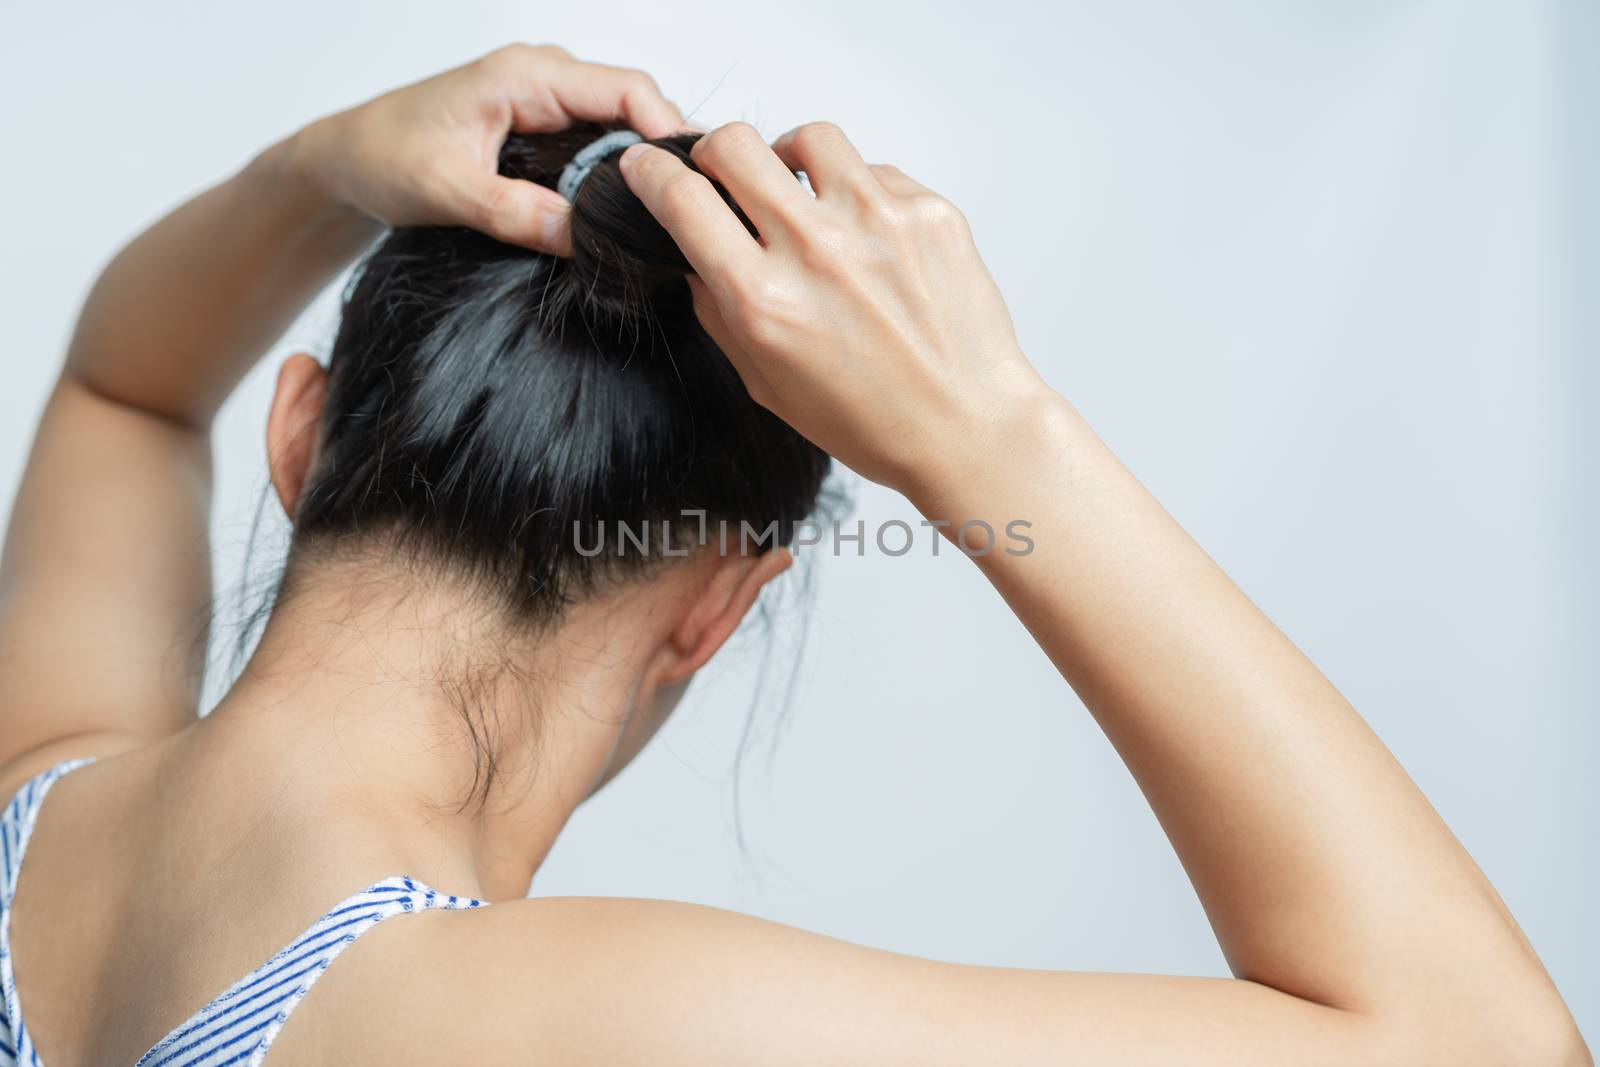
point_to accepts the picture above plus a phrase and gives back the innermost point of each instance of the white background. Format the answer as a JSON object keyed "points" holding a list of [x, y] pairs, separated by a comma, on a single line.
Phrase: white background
{"points": [[1322, 273]]}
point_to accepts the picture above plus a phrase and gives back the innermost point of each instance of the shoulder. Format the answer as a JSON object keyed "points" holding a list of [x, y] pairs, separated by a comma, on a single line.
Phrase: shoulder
{"points": [[598, 980], [21, 769]]}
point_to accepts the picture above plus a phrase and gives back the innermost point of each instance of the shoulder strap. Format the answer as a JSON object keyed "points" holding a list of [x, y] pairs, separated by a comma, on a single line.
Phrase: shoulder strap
{"points": [[240, 1025], [16, 826]]}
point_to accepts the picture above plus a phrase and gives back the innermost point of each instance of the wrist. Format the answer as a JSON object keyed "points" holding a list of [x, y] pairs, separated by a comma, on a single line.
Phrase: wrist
{"points": [[299, 166], [988, 457], [294, 174]]}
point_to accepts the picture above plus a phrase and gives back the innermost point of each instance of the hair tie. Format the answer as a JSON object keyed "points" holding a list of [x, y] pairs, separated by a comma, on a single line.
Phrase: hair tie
{"points": [[589, 157]]}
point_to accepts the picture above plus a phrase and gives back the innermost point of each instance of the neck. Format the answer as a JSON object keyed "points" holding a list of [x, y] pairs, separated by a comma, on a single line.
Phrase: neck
{"points": [[412, 736]]}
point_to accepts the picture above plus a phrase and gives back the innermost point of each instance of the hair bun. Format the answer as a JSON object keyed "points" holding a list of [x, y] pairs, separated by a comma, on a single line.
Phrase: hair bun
{"points": [[625, 267]]}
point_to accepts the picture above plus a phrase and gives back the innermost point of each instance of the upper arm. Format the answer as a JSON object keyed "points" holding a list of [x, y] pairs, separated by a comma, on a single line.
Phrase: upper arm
{"points": [[623, 982], [105, 578], [654, 982]]}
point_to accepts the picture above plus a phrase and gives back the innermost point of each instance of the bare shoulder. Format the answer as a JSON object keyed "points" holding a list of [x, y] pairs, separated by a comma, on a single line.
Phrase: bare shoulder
{"points": [[19, 770], [596, 980], [622, 981]]}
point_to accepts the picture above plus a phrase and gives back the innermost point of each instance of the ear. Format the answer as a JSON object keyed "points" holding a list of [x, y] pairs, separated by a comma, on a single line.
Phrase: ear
{"points": [[292, 426], [721, 605]]}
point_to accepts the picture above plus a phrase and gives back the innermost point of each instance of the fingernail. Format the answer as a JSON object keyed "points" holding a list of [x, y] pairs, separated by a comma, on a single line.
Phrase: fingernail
{"points": [[632, 152]]}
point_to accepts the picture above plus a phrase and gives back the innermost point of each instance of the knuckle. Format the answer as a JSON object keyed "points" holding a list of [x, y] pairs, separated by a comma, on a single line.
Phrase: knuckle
{"points": [[508, 53], [541, 51], [637, 81], [679, 192], [728, 142], [885, 213], [889, 175], [739, 132], [523, 52], [815, 135], [935, 212], [508, 58]]}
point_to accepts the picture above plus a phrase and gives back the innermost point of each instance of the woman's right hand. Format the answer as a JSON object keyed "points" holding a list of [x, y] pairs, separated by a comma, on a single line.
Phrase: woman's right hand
{"points": [[864, 316]]}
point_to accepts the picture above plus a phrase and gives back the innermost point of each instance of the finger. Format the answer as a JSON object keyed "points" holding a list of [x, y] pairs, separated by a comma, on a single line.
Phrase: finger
{"points": [[830, 161], [896, 181], [712, 238], [738, 157], [709, 313], [550, 90], [508, 209]]}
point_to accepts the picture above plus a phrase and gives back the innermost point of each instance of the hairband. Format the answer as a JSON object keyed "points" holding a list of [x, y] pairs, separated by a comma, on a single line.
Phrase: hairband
{"points": [[589, 157]]}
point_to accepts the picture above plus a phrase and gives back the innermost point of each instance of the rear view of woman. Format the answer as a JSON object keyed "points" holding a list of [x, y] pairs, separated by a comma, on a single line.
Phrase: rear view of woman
{"points": [[331, 866]]}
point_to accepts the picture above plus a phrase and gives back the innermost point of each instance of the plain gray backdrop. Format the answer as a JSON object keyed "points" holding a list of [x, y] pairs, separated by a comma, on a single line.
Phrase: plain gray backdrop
{"points": [[1323, 274]]}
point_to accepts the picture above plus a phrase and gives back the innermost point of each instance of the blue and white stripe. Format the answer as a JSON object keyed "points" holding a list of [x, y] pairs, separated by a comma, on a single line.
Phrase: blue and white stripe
{"points": [[238, 1026], [16, 825]]}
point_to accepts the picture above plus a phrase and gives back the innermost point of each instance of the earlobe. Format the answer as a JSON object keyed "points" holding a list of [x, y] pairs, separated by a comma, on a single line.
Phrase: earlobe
{"points": [[292, 426], [722, 606]]}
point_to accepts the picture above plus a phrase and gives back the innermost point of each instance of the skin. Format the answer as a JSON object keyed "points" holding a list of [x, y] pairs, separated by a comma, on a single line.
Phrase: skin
{"points": [[1358, 929]]}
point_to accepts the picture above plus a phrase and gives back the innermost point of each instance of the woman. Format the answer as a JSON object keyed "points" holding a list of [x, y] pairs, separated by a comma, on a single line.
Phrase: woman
{"points": [[450, 668]]}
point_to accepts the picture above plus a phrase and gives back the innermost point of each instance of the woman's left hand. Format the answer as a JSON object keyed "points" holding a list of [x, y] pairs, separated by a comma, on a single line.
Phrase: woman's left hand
{"points": [[427, 154]]}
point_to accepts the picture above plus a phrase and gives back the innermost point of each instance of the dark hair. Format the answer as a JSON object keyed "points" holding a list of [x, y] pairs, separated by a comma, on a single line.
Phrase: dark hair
{"points": [[486, 401]]}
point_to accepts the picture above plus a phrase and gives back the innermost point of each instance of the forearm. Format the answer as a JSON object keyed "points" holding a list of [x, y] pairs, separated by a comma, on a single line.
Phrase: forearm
{"points": [[1323, 869], [188, 306]]}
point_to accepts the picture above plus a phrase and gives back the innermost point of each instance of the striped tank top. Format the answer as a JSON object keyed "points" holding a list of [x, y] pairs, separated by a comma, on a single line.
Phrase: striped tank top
{"points": [[239, 1025]]}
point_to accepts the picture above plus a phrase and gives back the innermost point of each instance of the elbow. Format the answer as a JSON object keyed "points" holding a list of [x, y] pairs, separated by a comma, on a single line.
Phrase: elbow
{"points": [[1565, 1048], [1538, 1033], [1524, 1030], [1572, 1051]]}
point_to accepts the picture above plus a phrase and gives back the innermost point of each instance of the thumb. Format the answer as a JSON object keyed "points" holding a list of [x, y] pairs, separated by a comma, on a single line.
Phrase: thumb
{"points": [[511, 210]]}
